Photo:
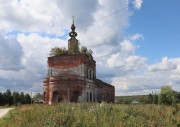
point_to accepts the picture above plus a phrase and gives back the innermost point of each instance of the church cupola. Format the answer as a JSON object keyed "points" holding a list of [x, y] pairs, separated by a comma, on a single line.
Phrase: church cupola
{"points": [[73, 46]]}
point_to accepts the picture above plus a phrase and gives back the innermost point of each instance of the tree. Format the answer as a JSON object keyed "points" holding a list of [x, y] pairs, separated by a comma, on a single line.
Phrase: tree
{"points": [[6, 98], [155, 99], [16, 98], [27, 99], [9, 97], [38, 96], [178, 96], [21, 96], [150, 98], [1, 98], [166, 95]]}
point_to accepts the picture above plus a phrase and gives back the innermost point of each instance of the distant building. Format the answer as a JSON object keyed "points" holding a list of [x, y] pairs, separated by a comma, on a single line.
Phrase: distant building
{"points": [[72, 77]]}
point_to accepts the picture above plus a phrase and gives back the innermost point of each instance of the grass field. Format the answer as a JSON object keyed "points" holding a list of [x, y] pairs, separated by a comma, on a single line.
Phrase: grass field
{"points": [[93, 115]]}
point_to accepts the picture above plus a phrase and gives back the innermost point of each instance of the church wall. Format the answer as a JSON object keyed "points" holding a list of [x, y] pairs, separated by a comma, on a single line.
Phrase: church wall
{"points": [[105, 92], [69, 89], [46, 90], [76, 64]]}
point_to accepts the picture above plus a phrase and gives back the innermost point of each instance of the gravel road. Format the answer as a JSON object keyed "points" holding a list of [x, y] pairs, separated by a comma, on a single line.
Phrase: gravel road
{"points": [[4, 111]]}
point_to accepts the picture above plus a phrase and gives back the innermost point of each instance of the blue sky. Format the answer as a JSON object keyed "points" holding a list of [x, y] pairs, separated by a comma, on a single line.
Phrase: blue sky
{"points": [[159, 22], [136, 50]]}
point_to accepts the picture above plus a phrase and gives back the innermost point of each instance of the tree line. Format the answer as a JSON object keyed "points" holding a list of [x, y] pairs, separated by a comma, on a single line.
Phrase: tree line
{"points": [[14, 98], [167, 96]]}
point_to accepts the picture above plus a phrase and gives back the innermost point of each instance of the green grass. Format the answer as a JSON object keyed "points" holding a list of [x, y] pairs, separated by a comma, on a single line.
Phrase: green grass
{"points": [[93, 115], [6, 107]]}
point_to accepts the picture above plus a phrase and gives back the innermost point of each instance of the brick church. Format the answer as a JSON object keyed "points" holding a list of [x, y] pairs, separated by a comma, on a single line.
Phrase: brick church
{"points": [[72, 77]]}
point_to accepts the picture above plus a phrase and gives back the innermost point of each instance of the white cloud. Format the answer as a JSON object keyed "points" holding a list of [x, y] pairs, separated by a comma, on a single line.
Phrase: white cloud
{"points": [[126, 60], [109, 30], [138, 4], [164, 65], [34, 61], [136, 37]]}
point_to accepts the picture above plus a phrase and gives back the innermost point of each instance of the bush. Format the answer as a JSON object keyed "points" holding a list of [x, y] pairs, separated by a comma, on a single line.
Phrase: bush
{"points": [[167, 96], [58, 51]]}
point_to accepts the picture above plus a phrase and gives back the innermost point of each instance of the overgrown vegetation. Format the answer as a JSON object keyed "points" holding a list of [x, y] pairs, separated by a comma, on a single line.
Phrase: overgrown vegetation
{"points": [[15, 98], [63, 51], [58, 51], [93, 115], [85, 50]]}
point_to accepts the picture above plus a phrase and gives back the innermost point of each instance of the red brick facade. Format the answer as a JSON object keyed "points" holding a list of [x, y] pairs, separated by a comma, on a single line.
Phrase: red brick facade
{"points": [[72, 78]]}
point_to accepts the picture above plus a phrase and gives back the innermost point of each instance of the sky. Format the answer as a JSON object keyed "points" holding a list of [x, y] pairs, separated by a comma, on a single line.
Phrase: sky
{"points": [[135, 42]]}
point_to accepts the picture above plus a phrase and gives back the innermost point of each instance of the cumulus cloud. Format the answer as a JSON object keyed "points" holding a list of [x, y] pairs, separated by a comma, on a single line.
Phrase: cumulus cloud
{"points": [[164, 65], [125, 59], [110, 30], [34, 61], [159, 74]]}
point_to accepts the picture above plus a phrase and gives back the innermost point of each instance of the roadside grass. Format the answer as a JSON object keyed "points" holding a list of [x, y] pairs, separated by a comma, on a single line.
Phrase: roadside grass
{"points": [[92, 115], [6, 107]]}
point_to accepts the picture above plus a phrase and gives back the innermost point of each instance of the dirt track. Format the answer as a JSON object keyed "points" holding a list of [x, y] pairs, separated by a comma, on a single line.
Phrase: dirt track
{"points": [[4, 111]]}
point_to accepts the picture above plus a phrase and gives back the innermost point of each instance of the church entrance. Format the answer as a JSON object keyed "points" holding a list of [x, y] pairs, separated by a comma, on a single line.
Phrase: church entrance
{"points": [[55, 96]]}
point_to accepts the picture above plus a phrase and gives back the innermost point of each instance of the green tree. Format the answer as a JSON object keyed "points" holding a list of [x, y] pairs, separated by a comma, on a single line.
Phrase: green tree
{"points": [[27, 99], [16, 98], [1, 99], [21, 96], [166, 96], [155, 99], [7, 98], [150, 98], [178, 96], [38, 96]]}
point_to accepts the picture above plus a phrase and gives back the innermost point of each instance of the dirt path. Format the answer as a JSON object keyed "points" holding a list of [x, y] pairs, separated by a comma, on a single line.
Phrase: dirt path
{"points": [[4, 111]]}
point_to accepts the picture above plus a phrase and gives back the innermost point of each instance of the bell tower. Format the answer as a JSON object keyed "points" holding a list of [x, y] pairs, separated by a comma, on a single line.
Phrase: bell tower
{"points": [[73, 46]]}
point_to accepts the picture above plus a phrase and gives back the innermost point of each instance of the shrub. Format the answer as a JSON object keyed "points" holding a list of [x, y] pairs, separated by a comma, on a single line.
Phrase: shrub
{"points": [[167, 96], [58, 51]]}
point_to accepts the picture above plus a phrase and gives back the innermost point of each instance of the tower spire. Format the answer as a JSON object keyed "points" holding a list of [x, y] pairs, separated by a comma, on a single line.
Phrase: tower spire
{"points": [[73, 34], [73, 46]]}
